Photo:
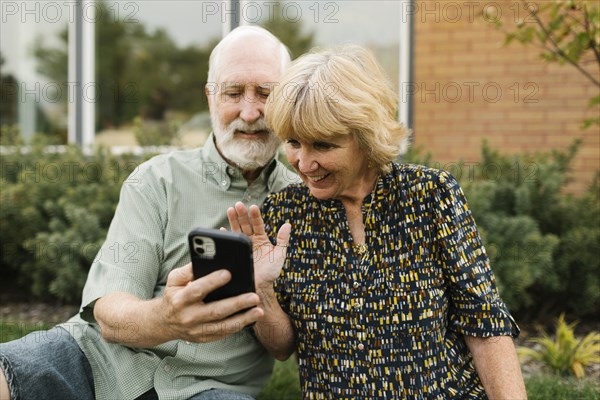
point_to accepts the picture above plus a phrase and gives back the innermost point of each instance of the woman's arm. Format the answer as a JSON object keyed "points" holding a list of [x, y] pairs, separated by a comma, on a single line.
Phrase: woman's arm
{"points": [[498, 367], [476, 305], [274, 329]]}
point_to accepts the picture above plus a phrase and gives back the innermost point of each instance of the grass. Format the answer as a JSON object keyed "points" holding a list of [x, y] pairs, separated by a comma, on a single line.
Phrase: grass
{"points": [[11, 330], [552, 387], [284, 384]]}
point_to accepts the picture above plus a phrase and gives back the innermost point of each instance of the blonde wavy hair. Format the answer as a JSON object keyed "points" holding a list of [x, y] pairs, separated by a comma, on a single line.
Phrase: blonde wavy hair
{"points": [[343, 91]]}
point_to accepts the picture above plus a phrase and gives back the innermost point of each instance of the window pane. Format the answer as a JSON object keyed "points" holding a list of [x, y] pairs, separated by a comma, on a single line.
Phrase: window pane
{"points": [[151, 66], [152, 56], [33, 74], [371, 23]]}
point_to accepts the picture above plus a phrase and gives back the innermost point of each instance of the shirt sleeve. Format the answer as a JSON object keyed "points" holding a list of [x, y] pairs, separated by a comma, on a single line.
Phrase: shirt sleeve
{"points": [[476, 308], [130, 258]]}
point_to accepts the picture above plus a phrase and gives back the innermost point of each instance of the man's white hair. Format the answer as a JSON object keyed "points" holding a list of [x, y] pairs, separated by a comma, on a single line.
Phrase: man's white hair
{"points": [[215, 55]]}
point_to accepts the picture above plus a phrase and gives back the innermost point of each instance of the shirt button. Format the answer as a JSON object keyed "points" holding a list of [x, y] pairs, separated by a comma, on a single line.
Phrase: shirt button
{"points": [[361, 346], [188, 343], [167, 367], [356, 284], [329, 319], [224, 182]]}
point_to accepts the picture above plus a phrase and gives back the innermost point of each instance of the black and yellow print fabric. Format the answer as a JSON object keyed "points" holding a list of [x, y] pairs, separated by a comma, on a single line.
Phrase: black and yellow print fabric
{"points": [[388, 324]]}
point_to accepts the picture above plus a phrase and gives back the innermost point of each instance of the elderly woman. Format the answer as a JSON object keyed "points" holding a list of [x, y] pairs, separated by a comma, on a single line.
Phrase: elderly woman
{"points": [[386, 290]]}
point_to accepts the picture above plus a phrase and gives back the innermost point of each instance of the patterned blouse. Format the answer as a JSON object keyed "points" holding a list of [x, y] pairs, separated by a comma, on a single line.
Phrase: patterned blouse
{"points": [[388, 324]]}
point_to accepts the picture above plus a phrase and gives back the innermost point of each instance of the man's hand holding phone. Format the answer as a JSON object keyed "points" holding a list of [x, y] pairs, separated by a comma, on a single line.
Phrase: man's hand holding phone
{"points": [[190, 318], [201, 299]]}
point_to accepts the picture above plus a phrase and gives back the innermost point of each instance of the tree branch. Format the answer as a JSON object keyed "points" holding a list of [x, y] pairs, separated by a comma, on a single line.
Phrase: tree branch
{"points": [[557, 50], [586, 25]]}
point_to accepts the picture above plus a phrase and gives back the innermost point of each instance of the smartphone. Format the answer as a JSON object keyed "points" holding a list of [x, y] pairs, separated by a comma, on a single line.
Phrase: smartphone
{"points": [[212, 249]]}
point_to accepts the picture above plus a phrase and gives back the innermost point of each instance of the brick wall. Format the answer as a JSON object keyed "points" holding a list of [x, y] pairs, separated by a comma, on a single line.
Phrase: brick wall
{"points": [[470, 87]]}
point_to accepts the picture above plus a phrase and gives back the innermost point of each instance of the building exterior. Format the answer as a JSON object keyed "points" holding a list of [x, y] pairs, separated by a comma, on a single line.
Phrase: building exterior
{"points": [[469, 87]]}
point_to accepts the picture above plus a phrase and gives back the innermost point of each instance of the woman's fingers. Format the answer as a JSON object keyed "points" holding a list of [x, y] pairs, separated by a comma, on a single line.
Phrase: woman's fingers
{"points": [[258, 225], [242, 218], [234, 222], [247, 221]]}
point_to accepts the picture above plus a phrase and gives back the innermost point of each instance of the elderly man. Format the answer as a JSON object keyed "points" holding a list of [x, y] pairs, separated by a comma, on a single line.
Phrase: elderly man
{"points": [[144, 330]]}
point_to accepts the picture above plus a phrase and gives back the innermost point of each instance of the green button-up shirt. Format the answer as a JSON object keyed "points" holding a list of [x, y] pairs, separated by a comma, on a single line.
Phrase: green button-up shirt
{"points": [[160, 203]]}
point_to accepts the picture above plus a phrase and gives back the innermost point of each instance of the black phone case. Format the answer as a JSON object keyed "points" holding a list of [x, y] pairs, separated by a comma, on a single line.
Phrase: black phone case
{"points": [[212, 249]]}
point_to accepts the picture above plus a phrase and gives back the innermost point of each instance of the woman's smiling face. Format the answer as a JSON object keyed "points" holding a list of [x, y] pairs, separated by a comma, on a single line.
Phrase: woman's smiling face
{"points": [[335, 168]]}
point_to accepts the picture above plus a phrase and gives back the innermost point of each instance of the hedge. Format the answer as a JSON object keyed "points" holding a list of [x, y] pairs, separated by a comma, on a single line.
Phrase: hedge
{"points": [[55, 209]]}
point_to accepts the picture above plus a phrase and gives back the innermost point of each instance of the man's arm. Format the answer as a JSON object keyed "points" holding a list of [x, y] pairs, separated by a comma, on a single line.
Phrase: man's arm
{"points": [[498, 367], [179, 314]]}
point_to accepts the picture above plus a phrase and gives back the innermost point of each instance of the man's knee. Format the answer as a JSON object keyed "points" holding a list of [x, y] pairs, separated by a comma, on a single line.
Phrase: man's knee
{"points": [[49, 362]]}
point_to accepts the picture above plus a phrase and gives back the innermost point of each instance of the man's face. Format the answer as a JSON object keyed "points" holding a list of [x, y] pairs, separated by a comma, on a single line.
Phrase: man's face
{"points": [[247, 73]]}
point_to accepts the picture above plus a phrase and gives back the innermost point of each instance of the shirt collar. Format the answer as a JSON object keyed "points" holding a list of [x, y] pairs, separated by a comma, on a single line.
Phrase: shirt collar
{"points": [[228, 174]]}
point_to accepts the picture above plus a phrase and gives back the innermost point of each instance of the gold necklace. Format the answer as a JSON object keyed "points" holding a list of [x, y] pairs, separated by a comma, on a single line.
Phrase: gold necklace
{"points": [[362, 248]]}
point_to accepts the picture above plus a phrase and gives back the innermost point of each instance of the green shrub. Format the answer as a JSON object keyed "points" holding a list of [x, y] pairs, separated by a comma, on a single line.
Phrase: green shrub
{"points": [[10, 135], [544, 245], [565, 354], [156, 133], [577, 258], [55, 209], [520, 255]]}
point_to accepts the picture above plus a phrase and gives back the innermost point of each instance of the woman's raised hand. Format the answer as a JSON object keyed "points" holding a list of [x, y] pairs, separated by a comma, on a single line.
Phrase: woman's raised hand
{"points": [[268, 259]]}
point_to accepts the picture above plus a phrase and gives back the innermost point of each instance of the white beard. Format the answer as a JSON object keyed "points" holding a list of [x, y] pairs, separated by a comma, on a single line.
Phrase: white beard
{"points": [[248, 154]]}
